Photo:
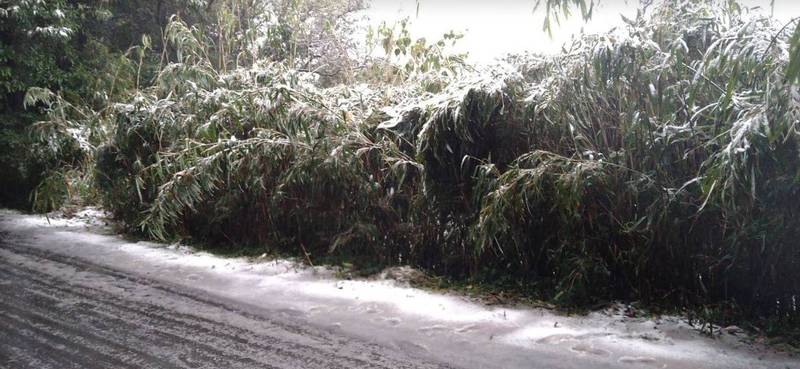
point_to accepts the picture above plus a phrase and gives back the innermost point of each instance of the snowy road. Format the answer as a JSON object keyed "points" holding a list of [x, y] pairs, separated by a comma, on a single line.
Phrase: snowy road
{"points": [[51, 319], [71, 297]]}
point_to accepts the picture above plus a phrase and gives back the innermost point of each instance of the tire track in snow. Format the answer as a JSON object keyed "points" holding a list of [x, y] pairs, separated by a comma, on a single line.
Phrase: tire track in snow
{"points": [[53, 316], [148, 312], [117, 318]]}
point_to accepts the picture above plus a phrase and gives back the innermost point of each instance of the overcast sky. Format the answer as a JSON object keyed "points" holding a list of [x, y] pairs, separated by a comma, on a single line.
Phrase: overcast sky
{"points": [[495, 27]]}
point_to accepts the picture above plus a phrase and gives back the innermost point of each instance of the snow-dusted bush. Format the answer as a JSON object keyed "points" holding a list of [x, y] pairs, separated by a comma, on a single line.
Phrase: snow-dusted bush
{"points": [[658, 162]]}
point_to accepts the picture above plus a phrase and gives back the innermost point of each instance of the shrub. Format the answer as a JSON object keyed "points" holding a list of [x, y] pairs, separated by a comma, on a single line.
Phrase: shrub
{"points": [[659, 162]]}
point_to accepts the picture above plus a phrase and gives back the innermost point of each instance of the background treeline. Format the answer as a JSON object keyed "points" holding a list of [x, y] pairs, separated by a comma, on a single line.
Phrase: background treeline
{"points": [[78, 48], [659, 162]]}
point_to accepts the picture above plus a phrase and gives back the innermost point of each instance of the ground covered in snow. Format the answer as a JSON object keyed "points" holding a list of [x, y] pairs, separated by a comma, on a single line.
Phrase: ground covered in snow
{"points": [[438, 327]]}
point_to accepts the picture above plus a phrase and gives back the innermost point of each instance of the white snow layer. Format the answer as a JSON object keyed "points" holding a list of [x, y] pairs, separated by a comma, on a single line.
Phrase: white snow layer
{"points": [[440, 326]]}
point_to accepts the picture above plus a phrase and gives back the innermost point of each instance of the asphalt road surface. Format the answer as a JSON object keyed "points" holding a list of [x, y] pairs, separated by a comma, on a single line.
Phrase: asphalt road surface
{"points": [[50, 318]]}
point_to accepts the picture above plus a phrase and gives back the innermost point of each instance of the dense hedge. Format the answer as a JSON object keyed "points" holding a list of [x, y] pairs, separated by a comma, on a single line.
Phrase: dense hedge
{"points": [[660, 162]]}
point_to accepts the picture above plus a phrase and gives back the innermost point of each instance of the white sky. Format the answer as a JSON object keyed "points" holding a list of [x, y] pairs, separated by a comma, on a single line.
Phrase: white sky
{"points": [[493, 28]]}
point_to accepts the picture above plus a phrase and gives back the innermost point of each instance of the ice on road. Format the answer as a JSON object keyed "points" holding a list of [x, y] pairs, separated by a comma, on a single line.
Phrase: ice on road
{"points": [[73, 295]]}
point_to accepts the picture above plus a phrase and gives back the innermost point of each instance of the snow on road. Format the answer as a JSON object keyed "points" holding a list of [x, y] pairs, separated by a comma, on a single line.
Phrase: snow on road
{"points": [[440, 327]]}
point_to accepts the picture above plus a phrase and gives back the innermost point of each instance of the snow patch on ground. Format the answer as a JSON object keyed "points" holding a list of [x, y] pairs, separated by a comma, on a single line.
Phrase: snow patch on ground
{"points": [[390, 312], [92, 218]]}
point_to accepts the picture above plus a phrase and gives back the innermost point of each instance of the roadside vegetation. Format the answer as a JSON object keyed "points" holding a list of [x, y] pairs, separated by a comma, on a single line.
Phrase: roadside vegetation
{"points": [[659, 162]]}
